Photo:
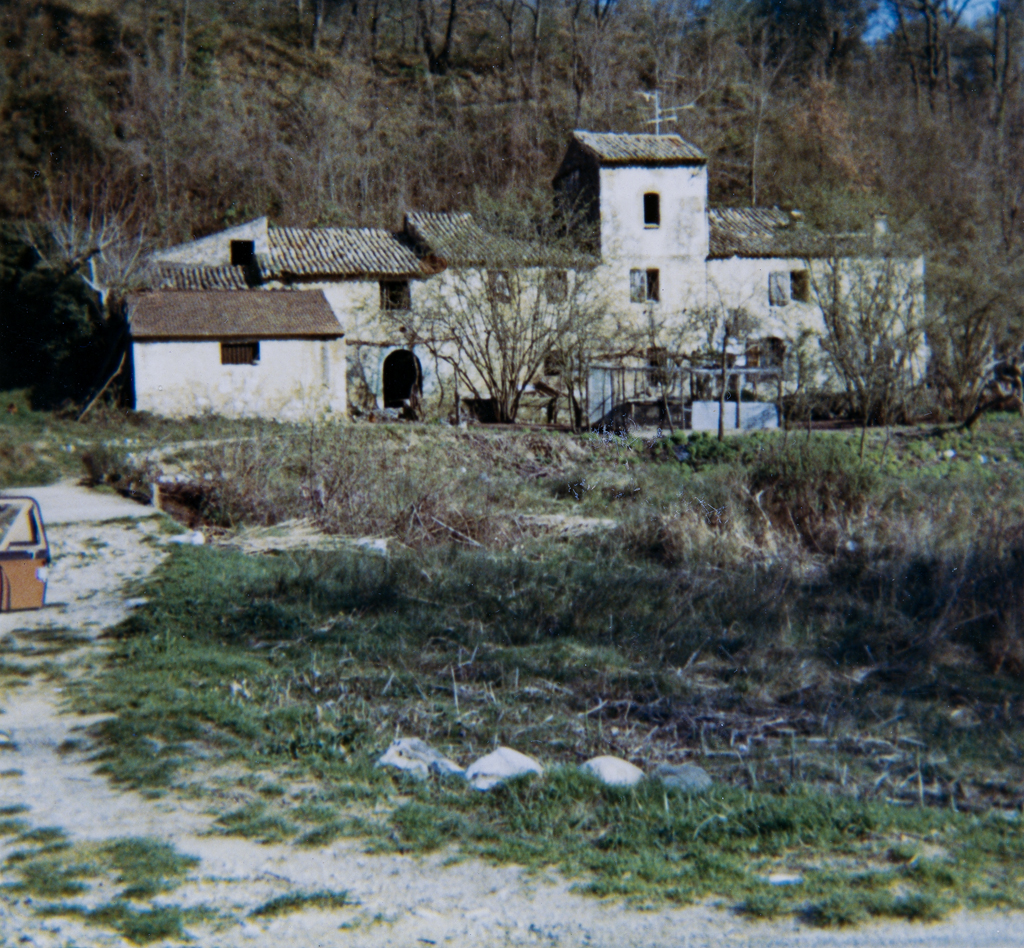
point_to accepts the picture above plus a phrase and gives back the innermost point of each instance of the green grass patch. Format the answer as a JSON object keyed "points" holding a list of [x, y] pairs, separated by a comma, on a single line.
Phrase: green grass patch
{"points": [[55, 869], [44, 835], [139, 926], [300, 901], [146, 866], [254, 822], [9, 827]]}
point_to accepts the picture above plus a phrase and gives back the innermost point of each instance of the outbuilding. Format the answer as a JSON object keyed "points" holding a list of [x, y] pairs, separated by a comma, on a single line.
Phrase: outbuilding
{"points": [[239, 353]]}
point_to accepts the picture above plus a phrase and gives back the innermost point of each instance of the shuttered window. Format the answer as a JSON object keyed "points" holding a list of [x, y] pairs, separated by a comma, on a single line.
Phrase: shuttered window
{"points": [[499, 285], [394, 295], [653, 286], [778, 289], [644, 286], [239, 353], [800, 286], [637, 286]]}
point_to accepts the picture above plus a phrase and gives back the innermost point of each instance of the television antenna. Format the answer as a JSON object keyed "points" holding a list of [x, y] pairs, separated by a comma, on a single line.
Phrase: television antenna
{"points": [[664, 115]]}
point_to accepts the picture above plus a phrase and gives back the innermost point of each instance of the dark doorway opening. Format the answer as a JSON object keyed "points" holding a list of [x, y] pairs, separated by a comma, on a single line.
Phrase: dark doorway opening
{"points": [[402, 379]]}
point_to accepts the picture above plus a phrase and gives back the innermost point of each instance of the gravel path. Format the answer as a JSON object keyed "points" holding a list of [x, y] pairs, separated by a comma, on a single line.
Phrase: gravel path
{"points": [[99, 545]]}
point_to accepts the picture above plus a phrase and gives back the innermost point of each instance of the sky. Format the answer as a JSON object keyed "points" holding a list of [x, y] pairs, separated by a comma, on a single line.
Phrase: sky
{"points": [[882, 24]]}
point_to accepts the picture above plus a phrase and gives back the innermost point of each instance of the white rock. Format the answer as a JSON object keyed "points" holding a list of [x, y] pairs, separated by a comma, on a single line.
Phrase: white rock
{"points": [[417, 758], [614, 771], [489, 771], [195, 539], [687, 777], [373, 546]]}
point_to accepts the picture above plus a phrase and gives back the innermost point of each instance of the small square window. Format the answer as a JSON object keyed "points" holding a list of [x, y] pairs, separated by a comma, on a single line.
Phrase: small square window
{"points": [[499, 286], [239, 353], [767, 353], [243, 252], [652, 210], [778, 289], [394, 295], [556, 286], [644, 286], [800, 286]]}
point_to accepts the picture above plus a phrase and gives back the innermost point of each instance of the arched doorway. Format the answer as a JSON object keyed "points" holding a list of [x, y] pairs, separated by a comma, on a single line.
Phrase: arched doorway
{"points": [[402, 378]]}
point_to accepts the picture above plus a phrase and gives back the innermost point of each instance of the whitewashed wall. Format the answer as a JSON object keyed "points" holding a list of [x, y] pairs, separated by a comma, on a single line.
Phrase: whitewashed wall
{"points": [[215, 250], [677, 248], [294, 379], [742, 282]]}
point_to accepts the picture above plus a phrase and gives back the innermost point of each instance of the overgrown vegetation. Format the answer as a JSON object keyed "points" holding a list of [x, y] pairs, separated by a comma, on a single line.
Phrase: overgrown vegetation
{"points": [[109, 447], [838, 642]]}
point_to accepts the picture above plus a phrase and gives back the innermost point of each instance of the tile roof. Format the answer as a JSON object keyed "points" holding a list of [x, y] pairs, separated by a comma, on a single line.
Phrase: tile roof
{"points": [[218, 314], [769, 232], [338, 252], [199, 278], [621, 149], [458, 240]]}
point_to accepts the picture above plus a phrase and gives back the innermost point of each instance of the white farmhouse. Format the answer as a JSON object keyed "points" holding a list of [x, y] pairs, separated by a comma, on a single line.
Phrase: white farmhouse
{"points": [[237, 353], [661, 259], [360, 272], [669, 263]]}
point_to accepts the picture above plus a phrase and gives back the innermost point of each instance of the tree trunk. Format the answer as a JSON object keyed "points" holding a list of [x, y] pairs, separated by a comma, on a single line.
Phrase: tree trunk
{"points": [[721, 400], [318, 23]]}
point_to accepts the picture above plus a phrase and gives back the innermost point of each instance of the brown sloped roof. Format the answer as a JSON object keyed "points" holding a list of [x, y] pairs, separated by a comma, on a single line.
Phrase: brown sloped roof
{"points": [[199, 278], [769, 232], [219, 314], [611, 148], [338, 251], [457, 239]]}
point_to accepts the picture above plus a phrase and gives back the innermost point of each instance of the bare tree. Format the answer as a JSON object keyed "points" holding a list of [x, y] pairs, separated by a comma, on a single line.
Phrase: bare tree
{"points": [[438, 53], [971, 314], [496, 326], [95, 235], [925, 29], [873, 312]]}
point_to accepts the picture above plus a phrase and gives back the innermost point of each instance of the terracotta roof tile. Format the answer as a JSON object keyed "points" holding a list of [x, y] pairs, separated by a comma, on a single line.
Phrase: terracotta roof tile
{"points": [[218, 314], [457, 239], [199, 278], [620, 149], [769, 232], [338, 252]]}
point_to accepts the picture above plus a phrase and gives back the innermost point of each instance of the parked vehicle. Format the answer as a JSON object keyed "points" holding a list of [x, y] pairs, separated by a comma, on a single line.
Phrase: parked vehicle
{"points": [[24, 554]]}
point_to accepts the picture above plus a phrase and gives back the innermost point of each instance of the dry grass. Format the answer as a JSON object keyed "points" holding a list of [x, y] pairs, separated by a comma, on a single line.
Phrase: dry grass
{"points": [[778, 613]]}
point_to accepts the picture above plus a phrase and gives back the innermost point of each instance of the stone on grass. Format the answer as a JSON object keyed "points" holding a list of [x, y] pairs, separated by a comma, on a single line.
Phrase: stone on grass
{"points": [[489, 771], [683, 777], [418, 758], [614, 771], [783, 878]]}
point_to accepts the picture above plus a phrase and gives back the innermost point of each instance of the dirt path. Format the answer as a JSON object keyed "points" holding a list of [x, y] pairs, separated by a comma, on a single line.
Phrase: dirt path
{"points": [[99, 545]]}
